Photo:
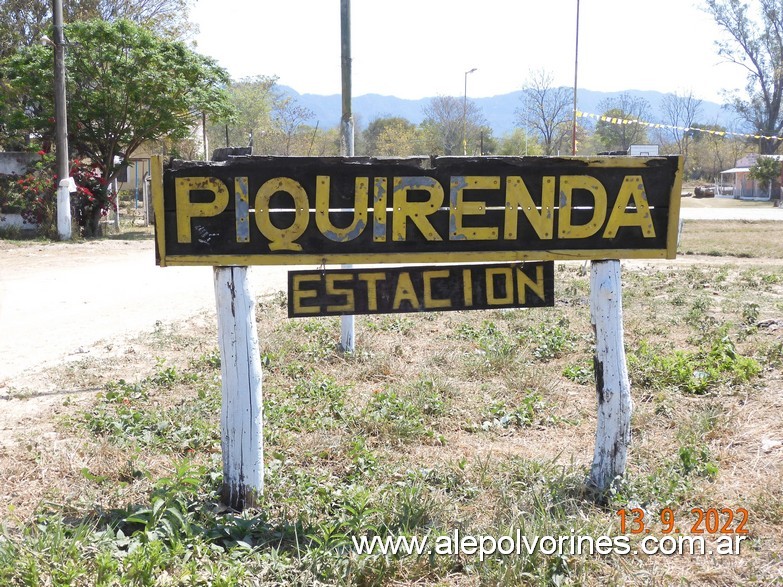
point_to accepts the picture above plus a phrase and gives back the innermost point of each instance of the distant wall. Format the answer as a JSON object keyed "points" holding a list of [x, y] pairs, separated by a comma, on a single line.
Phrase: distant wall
{"points": [[15, 221], [15, 162]]}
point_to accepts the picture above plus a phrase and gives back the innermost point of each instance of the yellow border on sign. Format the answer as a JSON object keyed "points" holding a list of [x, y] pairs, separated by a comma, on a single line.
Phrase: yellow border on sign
{"points": [[156, 172], [403, 257], [673, 230]]}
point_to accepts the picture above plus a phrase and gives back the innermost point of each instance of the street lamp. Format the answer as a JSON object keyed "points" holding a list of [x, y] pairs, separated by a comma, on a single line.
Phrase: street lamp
{"points": [[465, 115]]}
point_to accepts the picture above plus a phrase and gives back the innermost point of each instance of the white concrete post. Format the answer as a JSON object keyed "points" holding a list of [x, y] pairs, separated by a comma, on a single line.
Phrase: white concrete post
{"points": [[613, 433], [116, 207], [242, 429], [64, 209], [347, 323]]}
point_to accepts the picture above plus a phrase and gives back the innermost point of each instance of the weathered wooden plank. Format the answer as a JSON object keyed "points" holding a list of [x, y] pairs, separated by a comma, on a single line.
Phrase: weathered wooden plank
{"points": [[361, 210]]}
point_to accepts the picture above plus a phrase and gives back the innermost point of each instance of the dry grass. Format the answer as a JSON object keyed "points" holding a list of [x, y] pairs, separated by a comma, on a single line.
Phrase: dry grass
{"points": [[485, 420], [745, 239]]}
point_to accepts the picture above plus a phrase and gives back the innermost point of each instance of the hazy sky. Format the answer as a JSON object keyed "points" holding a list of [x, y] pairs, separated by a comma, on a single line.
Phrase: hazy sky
{"points": [[422, 48]]}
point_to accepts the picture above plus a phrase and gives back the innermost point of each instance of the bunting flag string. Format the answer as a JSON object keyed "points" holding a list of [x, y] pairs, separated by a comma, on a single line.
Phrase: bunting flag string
{"points": [[721, 133]]}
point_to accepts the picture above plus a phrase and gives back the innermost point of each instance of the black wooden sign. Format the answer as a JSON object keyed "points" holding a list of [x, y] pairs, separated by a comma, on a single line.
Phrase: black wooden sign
{"points": [[429, 288], [312, 210]]}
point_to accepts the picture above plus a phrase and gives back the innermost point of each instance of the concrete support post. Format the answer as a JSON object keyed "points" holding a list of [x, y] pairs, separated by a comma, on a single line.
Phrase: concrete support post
{"points": [[64, 210]]}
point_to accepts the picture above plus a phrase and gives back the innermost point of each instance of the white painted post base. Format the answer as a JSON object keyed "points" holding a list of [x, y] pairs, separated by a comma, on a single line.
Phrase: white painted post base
{"points": [[347, 334], [347, 330], [613, 433], [242, 428], [64, 210]]}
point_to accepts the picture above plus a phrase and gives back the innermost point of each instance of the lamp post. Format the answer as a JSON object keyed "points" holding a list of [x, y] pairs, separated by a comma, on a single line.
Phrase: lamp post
{"points": [[465, 115], [61, 126]]}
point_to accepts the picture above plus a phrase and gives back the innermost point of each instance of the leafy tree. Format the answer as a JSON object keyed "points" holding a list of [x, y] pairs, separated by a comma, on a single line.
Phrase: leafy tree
{"points": [[392, 136], [167, 18], [711, 152], [518, 143], [22, 23], [288, 118], [487, 143], [446, 118], [252, 100], [619, 137], [756, 44], [264, 117], [25, 22], [766, 170], [127, 87], [547, 111], [321, 142]]}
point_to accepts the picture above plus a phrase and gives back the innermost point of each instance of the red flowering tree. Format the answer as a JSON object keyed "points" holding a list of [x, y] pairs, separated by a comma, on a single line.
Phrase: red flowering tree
{"points": [[35, 195], [92, 199]]}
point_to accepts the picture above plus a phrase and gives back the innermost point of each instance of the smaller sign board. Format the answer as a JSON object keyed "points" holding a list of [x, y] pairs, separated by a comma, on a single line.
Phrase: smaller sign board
{"points": [[427, 288]]}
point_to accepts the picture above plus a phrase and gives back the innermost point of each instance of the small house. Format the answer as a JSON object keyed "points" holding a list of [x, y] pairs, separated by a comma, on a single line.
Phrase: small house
{"points": [[737, 183]]}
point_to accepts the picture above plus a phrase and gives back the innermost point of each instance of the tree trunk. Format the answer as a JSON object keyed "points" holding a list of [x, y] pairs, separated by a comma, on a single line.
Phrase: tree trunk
{"points": [[92, 223]]}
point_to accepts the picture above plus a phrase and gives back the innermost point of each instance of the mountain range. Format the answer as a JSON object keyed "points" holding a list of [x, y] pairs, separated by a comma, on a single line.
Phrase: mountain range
{"points": [[499, 111]]}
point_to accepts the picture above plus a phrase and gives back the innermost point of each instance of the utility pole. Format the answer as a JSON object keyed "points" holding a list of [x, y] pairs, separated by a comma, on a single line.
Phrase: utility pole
{"points": [[465, 114], [576, 68], [347, 323], [61, 127]]}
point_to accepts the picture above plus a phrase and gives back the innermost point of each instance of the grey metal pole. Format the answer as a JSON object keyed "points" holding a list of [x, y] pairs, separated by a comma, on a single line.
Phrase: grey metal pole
{"points": [[61, 126], [465, 114], [204, 135], [346, 127], [347, 323], [576, 64]]}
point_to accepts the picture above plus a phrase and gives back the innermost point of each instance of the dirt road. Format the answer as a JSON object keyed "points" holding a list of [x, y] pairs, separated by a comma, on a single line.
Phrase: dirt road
{"points": [[58, 300]]}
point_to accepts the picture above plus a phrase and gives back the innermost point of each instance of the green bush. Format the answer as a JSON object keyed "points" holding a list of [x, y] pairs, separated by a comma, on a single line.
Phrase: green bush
{"points": [[691, 372]]}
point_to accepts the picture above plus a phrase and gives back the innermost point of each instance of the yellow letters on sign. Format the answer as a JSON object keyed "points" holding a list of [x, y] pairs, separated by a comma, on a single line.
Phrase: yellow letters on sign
{"points": [[508, 278], [569, 183], [429, 301], [360, 200], [518, 196], [632, 188], [331, 281], [372, 280], [416, 211], [460, 207], [282, 239], [524, 282], [405, 292], [299, 294], [187, 210]]}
